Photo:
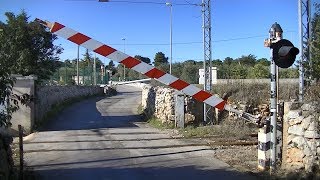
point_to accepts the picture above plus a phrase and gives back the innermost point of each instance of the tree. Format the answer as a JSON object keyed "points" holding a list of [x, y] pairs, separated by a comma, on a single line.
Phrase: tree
{"points": [[228, 61], [143, 59], [263, 61], [258, 71], [25, 48], [160, 58], [28, 46], [190, 73], [315, 44], [249, 60]]}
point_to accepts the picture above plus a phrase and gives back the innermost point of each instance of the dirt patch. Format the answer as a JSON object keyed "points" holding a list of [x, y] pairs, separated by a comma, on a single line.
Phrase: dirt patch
{"points": [[242, 158]]}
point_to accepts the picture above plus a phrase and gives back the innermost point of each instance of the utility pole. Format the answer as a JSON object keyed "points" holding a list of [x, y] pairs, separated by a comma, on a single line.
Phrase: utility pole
{"points": [[94, 70], [78, 66], [170, 5], [305, 32], [124, 50], [207, 63]]}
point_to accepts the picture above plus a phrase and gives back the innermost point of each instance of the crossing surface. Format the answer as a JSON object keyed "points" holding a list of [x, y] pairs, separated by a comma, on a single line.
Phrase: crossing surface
{"points": [[103, 138]]}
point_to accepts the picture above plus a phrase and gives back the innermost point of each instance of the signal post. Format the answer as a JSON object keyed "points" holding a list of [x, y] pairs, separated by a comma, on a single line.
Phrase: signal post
{"points": [[283, 55]]}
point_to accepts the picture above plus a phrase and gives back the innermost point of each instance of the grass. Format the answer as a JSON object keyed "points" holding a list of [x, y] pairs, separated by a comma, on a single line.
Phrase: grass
{"points": [[156, 123], [226, 129]]}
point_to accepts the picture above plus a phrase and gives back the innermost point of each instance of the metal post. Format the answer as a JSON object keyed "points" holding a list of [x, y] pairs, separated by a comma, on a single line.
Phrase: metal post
{"points": [[273, 111], [275, 34], [78, 65], [94, 70], [124, 67], [207, 64], [170, 5], [305, 32]]}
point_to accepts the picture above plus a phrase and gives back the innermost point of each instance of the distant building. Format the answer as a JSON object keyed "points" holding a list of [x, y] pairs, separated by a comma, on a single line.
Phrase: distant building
{"points": [[82, 79], [214, 75]]}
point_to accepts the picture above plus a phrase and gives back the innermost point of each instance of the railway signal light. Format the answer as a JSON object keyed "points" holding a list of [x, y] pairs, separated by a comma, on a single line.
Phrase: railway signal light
{"points": [[284, 53]]}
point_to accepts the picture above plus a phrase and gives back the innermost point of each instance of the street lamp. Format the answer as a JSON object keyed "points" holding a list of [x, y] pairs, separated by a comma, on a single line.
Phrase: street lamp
{"points": [[170, 5], [124, 50]]}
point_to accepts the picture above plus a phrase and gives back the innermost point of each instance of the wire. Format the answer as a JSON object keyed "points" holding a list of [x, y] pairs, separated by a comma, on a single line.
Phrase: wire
{"points": [[196, 42], [151, 2], [139, 2]]}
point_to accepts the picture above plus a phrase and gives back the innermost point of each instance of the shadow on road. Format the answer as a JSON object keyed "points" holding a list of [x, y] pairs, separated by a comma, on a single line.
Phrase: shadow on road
{"points": [[85, 115], [154, 173]]}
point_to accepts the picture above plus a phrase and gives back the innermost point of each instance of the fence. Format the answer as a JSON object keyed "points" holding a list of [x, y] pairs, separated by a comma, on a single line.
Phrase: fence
{"points": [[67, 75]]}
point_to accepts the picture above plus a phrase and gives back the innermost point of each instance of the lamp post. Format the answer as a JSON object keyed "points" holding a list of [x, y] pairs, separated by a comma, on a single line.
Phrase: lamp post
{"points": [[170, 5], [124, 50]]}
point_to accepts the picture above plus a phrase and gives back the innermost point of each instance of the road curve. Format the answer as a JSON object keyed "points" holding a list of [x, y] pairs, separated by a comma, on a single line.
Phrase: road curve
{"points": [[102, 138]]}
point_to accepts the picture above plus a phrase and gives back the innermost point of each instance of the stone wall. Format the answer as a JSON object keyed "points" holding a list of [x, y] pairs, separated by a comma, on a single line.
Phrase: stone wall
{"points": [[25, 115], [301, 148], [47, 96], [160, 102]]}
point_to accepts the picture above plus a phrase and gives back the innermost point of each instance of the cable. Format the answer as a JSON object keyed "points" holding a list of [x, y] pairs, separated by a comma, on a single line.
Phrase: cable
{"points": [[186, 43], [139, 2]]}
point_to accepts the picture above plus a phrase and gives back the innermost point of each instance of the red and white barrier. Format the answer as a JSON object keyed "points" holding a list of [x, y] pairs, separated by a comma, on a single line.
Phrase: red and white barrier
{"points": [[136, 65]]}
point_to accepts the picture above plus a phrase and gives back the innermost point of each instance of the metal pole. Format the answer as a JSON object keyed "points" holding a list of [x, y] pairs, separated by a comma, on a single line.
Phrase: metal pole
{"points": [[309, 38], [301, 69], [78, 66], [273, 111], [170, 38], [94, 70], [207, 63], [124, 67], [204, 61], [275, 34]]}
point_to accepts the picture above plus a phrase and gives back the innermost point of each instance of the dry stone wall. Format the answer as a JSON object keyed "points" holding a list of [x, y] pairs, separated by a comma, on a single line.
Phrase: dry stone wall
{"points": [[160, 103], [47, 96], [301, 136]]}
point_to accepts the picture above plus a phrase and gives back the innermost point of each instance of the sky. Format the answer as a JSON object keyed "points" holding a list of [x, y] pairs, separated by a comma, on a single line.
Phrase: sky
{"points": [[239, 27]]}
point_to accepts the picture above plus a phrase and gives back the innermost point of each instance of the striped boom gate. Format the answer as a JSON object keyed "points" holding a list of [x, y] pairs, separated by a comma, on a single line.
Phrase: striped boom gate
{"points": [[151, 72], [135, 64]]}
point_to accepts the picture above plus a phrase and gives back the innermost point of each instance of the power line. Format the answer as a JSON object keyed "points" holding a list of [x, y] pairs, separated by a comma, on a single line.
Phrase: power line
{"points": [[196, 42], [140, 2]]}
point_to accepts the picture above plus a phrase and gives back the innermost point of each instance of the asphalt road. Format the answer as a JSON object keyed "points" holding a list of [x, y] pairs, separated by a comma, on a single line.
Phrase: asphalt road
{"points": [[102, 138]]}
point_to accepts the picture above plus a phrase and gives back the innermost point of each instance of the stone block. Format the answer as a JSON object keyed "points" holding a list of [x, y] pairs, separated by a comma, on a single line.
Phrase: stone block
{"points": [[312, 126], [290, 138], [295, 154], [306, 121], [294, 121], [296, 129], [308, 107], [299, 141], [290, 106], [293, 114], [307, 150], [311, 134]]}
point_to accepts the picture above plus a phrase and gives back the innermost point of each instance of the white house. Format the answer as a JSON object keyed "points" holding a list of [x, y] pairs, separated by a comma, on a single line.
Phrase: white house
{"points": [[214, 76]]}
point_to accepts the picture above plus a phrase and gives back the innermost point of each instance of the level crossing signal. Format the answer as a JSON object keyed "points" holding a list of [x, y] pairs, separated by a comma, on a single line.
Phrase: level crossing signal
{"points": [[284, 53]]}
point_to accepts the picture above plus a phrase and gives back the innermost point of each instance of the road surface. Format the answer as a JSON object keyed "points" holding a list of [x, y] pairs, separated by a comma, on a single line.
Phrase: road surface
{"points": [[102, 138]]}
